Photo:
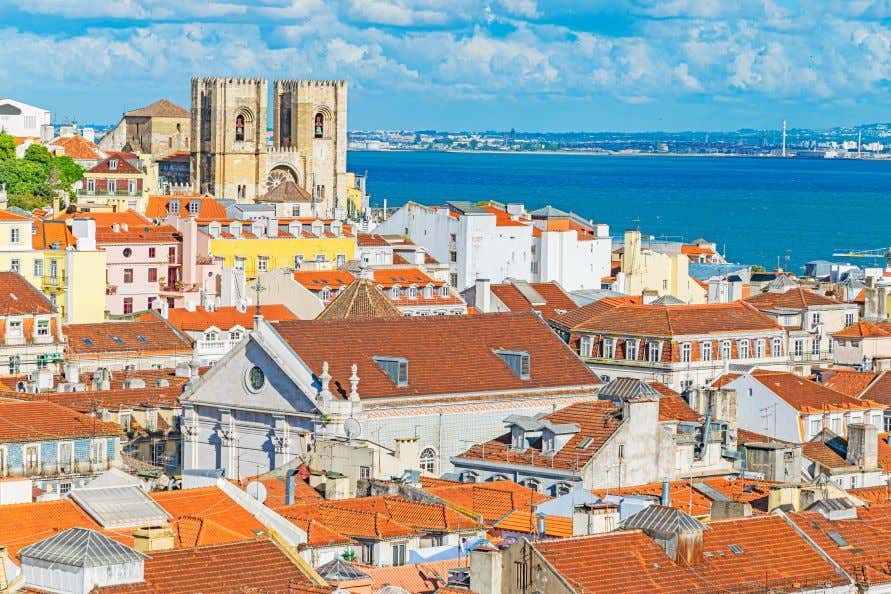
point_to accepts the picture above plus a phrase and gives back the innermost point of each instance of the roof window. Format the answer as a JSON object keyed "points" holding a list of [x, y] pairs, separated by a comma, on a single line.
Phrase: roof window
{"points": [[518, 361], [837, 539], [585, 443], [88, 341], [735, 549], [396, 369], [113, 164], [141, 339], [117, 339]]}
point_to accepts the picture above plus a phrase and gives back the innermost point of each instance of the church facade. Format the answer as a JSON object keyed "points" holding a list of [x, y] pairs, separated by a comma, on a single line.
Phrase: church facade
{"points": [[231, 157], [447, 381]]}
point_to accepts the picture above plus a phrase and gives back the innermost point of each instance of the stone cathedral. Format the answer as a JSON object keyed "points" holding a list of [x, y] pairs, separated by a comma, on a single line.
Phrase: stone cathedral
{"points": [[306, 159]]}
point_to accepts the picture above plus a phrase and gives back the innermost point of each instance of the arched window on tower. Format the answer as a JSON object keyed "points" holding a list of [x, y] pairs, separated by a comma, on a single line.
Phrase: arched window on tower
{"points": [[320, 125], [239, 127]]}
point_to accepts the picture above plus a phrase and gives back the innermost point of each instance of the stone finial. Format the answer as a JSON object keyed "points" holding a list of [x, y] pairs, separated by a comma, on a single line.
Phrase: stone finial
{"points": [[354, 382], [325, 379]]}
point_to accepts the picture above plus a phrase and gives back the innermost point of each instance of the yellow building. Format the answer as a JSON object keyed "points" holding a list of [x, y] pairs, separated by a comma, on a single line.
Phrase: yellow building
{"points": [[651, 271], [72, 270], [16, 251], [247, 245], [357, 200]]}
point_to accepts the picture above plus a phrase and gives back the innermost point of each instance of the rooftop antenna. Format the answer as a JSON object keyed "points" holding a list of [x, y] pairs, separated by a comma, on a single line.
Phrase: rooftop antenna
{"points": [[257, 289], [784, 138]]}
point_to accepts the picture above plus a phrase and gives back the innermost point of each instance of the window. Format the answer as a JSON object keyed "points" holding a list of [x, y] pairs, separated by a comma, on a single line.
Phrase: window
{"points": [[262, 263], [365, 472], [171, 254], [631, 349], [151, 301], [128, 252], [43, 327], [368, 553], [341, 260], [428, 460], [835, 424], [319, 129], [396, 369], [759, 349], [776, 347], [743, 349], [113, 164], [298, 261], [609, 348], [621, 452], [152, 252], [194, 206], [131, 186], [686, 352], [530, 483], [562, 489], [66, 456], [38, 268], [42, 361], [814, 427], [54, 268], [15, 235], [665, 285], [849, 319], [815, 347], [453, 279], [325, 294], [91, 185], [124, 418], [586, 346], [152, 275], [99, 451], [726, 351], [518, 361], [444, 291], [112, 186], [15, 265], [15, 329], [654, 352], [128, 275], [453, 256], [815, 318], [239, 127], [239, 263], [32, 459], [412, 292], [235, 335], [128, 305], [705, 351], [831, 346], [798, 346]]}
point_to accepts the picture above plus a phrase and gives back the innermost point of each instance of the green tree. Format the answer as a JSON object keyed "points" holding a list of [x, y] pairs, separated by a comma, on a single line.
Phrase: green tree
{"points": [[38, 154], [27, 178], [7, 146], [67, 170]]}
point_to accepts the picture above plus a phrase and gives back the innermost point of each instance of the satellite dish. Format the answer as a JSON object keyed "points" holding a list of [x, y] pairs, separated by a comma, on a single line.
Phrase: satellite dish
{"points": [[352, 428], [257, 490]]}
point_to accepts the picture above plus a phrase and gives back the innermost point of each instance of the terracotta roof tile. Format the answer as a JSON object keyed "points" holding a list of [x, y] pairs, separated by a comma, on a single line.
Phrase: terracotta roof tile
{"points": [[804, 394], [370, 240], [492, 501], [414, 514], [462, 358], [361, 299], [526, 522], [316, 280], [248, 566], [796, 298], [48, 232], [25, 421], [19, 297], [862, 329], [84, 402], [223, 318], [557, 302], [403, 277], [144, 337], [209, 209], [162, 108], [849, 382], [597, 421], [348, 522], [616, 315], [210, 504], [672, 406], [77, 147], [421, 578], [122, 166], [879, 390]]}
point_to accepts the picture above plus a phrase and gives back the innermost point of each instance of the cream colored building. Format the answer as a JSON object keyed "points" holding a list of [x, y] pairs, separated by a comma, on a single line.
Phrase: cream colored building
{"points": [[230, 155], [16, 251], [651, 271]]}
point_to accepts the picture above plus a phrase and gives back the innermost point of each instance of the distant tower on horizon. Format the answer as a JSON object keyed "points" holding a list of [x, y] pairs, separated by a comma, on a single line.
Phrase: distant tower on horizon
{"points": [[784, 138], [859, 154]]}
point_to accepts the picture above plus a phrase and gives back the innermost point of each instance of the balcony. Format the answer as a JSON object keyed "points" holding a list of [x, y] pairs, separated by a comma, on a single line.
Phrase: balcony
{"points": [[84, 192], [55, 280]]}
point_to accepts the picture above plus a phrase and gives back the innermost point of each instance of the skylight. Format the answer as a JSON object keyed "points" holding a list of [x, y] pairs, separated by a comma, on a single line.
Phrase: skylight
{"points": [[585, 443], [88, 342], [837, 539], [735, 549], [141, 339], [117, 339]]}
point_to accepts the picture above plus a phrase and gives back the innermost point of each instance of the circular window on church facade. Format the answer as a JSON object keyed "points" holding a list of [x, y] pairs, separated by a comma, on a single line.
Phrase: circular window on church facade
{"points": [[255, 379]]}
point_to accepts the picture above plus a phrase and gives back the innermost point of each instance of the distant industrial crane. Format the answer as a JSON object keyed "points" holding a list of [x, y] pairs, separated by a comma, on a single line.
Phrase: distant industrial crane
{"points": [[874, 254]]}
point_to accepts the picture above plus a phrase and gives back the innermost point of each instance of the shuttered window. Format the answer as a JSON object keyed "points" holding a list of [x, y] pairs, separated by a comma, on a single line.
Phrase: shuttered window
{"points": [[396, 369], [518, 361]]}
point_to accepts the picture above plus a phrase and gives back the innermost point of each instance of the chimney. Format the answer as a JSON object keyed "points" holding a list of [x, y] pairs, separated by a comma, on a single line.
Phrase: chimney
{"points": [[337, 486], [290, 485], [594, 518], [483, 295], [408, 451], [665, 499], [272, 227], [72, 373], [419, 255], [649, 296], [485, 570], [153, 538], [84, 231], [863, 445]]}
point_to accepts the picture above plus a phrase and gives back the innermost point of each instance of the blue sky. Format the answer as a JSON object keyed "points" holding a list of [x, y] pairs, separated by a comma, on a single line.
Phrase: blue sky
{"points": [[470, 64]]}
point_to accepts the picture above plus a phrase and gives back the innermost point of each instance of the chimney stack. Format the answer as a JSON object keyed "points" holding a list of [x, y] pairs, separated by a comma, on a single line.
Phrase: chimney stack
{"points": [[290, 486], [863, 445], [665, 499], [483, 295]]}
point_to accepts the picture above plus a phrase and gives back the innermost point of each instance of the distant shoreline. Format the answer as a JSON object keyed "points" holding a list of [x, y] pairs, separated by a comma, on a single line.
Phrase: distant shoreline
{"points": [[617, 154]]}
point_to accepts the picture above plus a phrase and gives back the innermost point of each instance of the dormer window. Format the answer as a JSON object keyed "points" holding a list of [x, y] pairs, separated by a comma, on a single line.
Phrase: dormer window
{"points": [[15, 329], [113, 164], [412, 292], [194, 207], [173, 207], [325, 294], [444, 291], [394, 292], [396, 369], [518, 361], [428, 292], [214, 229]]}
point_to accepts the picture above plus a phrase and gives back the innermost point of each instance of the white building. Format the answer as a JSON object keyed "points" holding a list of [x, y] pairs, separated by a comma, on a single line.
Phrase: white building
{"points": [[497, 242], [21, 119]]}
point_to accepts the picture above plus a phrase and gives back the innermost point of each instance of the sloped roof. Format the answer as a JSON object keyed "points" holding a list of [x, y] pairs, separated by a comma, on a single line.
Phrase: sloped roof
{"points": [[81, 547], [120, 506], [19, 297], [627, 388], [360, 299], [123, 166], [446, 354], [555, 301], [662, 521], [848, 381], [125, 337], [796, 298], [77, 147], [492, 500], [223, 318], [287, 191], [862, 329], [208, 207], [340, 570], [879, 390], [162, 108], [316, 280], [804, 394], [21, 421], [672, 406]]}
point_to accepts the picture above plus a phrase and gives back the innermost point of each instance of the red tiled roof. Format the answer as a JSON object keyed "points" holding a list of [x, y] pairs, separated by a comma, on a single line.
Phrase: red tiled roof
{"points": [[860, 297], [18, 297], [85, 402], [557, 302], [26, 421], [316, 280], [446, 354], [873, 495], [597, 420], [77, 147], [879, 390], [209, 209], [223, 318], [6, 215], [275, 491], [403, 277], [849, 382], [502, 219], [862, 329], [414, 514], [123, 166], [492, 501], [162, 108], [143, 337], [253, 566], [370, 240], [526, 522], [48, 232], [672, 406], [773, 557], [831, 452], [421, 578], [796, 298], [803, 394], [617, 316], [348, 522], [210, 504]]}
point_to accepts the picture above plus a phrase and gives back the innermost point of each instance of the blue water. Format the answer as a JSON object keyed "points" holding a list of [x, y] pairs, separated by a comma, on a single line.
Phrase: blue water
{"points": [[758, 210]]}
